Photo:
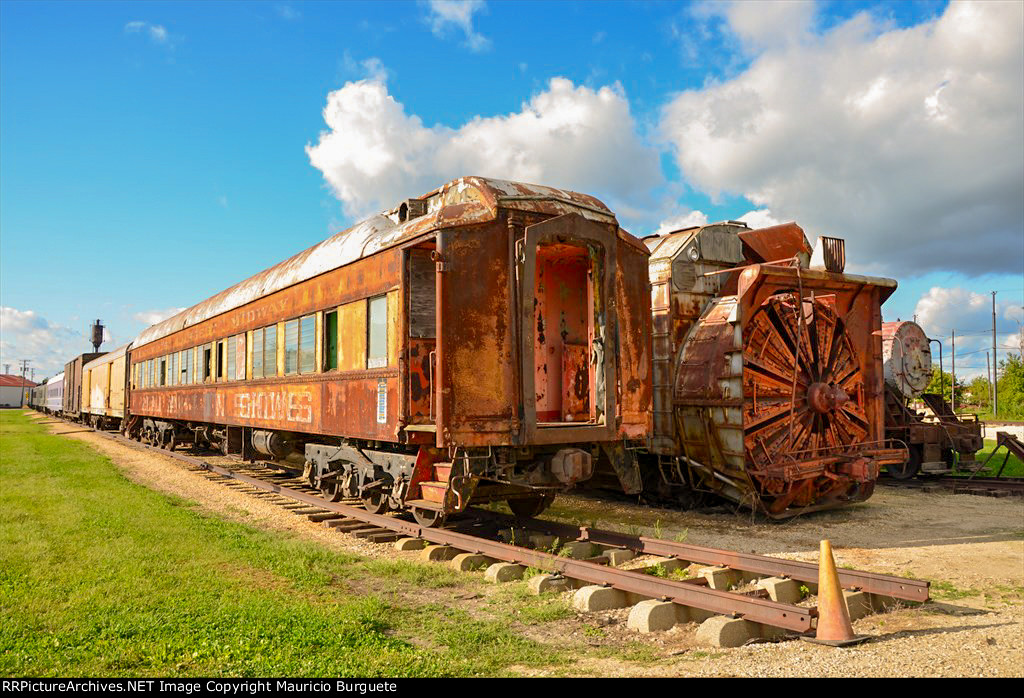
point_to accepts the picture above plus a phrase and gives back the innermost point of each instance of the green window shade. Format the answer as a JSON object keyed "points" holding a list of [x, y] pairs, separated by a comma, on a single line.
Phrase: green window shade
{"points": [[307, 338], [331, 341]]}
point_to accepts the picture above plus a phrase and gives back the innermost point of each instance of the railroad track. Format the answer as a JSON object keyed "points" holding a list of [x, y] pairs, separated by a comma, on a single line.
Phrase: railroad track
{"points": [[585, 558], [983, 486]]}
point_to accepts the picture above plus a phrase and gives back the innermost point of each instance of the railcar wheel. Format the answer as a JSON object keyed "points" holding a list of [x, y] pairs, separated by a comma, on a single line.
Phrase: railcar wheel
{"points": [[375, 502], [331, 491], [909, 469], [428, 518], [530, 507]]}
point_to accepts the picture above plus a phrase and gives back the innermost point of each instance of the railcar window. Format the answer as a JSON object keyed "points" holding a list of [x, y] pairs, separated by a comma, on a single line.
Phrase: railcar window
{"points": [[152, 374], [207, 362], [188, 366], [291, 347], [172, 373], [239, 357], [377, 327], [220, 360], [257, 353], [229, 357], [307, 339], [331, 340], [270, 350], [422, 295]]}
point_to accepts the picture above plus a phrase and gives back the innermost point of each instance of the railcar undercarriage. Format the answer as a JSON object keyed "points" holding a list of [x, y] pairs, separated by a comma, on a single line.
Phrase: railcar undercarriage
{"points": [[430, 483]]}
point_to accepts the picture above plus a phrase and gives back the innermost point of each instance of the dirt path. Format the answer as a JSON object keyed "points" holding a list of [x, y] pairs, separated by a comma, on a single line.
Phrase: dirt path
{"points": [[970, 547]]}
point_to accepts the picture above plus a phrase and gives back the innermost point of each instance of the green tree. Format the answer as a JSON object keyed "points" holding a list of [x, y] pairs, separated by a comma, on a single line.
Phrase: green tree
{"points": [[978, 392], [1011, 387], [942, 383]]}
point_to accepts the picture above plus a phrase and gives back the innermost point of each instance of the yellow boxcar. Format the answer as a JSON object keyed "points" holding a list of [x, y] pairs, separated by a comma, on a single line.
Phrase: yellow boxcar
{"points": [[103, 384]]}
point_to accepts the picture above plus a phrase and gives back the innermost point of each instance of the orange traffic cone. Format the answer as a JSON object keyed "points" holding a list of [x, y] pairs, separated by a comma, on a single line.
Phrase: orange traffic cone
{"points": [[834, 626]]}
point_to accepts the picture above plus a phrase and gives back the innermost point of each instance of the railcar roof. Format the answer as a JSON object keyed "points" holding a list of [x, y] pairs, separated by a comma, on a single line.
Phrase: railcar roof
{"points": [[108, 357], [464, 201], [56, 379]]}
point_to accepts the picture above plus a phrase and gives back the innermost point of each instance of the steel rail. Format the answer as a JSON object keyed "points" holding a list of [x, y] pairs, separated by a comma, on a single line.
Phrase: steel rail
{"points": [[780, 615], [882, 584], [962, 485]]}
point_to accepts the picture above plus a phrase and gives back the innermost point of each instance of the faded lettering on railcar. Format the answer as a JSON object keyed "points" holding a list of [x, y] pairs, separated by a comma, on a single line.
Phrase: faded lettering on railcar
{"points": [[274, 405]]}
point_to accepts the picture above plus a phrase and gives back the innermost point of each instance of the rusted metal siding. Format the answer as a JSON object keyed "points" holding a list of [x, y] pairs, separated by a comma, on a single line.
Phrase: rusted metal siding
{"points": [[343, 402], [633, 341], [476, 357], [477, 376], [371, 276]]}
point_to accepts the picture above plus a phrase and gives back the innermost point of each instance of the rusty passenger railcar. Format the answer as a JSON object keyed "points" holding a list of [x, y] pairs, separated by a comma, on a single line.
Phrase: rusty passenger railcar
{"points": [[767, 369], [487, 341]]}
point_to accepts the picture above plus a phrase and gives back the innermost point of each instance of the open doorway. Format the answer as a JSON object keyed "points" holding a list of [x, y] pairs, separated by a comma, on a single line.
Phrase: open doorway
{"points": [[563, 334]]}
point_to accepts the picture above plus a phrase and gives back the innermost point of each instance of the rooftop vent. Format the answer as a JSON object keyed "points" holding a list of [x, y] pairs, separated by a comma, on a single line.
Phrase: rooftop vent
{"points": [[411, 208], [829, 255]]}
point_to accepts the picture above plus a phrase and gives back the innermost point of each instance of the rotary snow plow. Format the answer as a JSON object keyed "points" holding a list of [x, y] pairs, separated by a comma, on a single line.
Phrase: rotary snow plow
{"points": [[768, 377]]}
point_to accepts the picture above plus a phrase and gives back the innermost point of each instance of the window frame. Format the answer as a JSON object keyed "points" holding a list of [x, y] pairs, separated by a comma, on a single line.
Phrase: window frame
{"points": [[371, 360]]}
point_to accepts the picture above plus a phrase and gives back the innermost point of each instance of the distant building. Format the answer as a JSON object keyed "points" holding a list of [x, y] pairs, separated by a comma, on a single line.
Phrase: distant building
{"points": [[14, 390]]}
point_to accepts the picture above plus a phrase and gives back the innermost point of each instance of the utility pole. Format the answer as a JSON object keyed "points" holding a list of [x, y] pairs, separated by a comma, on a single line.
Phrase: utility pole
{"points": [[24, 369], [7, 369], [988, 376], [995, 362], [952, 390]]}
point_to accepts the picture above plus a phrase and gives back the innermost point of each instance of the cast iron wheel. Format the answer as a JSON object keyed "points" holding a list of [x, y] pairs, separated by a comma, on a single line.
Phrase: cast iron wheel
{"points": [[909, 469], [331, 491], [428, 518], [375, 502], [528, 508]]}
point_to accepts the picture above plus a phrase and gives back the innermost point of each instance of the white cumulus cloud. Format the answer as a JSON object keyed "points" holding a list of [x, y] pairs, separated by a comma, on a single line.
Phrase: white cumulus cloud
{"points": [[375, 153], [761, 218], [24, 334], [444, 16], [157, 33], [908, 142], [151, 317], [942, 310]]}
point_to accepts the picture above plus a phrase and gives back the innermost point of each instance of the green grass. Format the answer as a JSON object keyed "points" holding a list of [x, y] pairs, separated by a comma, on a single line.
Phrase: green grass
{"points": [[1014, 467], [100, 576]]}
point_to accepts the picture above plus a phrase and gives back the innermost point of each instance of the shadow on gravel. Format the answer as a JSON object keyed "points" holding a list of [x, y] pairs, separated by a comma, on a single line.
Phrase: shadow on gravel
{"points": [[924, 632], [948, 609]]}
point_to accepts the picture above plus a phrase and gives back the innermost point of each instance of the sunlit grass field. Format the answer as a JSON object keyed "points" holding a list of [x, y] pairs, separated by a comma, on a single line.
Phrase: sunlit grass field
{"points": [[100, 576]]}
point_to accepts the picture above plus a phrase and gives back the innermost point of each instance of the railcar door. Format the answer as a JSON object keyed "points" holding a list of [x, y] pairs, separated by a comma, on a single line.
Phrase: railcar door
{"points": [[421, 302], [567, 316]]}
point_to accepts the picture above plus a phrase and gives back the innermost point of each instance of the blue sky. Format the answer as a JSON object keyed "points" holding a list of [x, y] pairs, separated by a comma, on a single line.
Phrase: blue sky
{"points": [[152, 154]]}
